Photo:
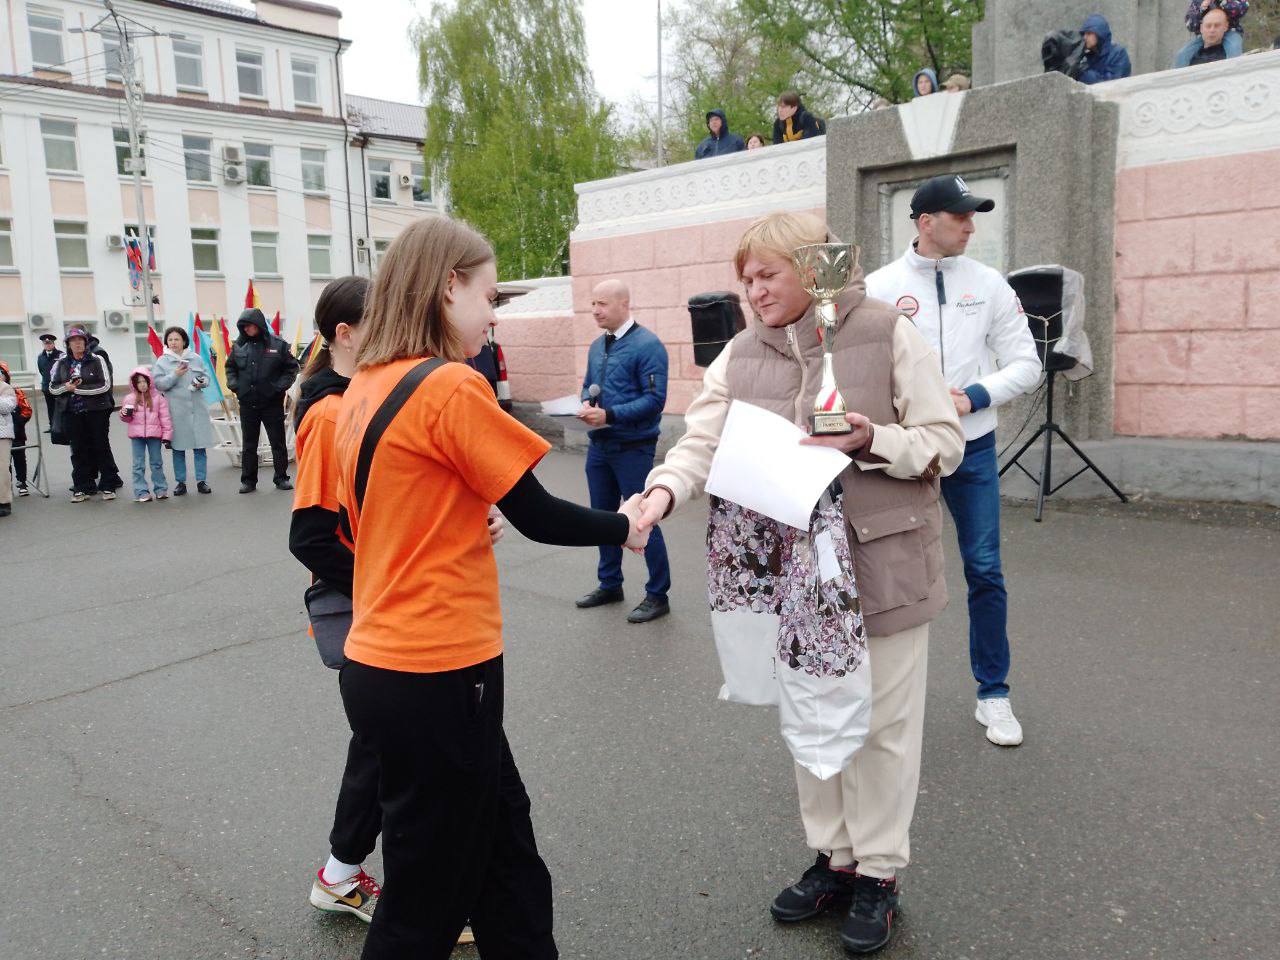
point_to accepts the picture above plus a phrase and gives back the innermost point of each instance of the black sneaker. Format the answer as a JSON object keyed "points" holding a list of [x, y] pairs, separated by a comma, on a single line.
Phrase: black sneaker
{"points": [[179, 489], [203, 487], [283, 484], [599, 597], [819, 889], [650, 608], [869, 924], [247, 487]]}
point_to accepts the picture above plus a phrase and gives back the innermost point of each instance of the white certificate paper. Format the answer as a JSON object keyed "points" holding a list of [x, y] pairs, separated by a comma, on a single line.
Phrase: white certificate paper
{"points": [[761, 465], [562, 406]]}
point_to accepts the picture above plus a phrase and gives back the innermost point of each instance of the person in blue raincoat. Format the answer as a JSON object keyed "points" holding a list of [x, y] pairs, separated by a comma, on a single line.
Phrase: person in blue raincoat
{"points": [[181, 376], [718, 140], [924, 83], [1103, 59]]}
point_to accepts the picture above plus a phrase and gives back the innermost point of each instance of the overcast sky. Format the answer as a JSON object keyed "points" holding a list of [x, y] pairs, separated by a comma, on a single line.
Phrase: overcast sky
{"points": [[621, 47]]}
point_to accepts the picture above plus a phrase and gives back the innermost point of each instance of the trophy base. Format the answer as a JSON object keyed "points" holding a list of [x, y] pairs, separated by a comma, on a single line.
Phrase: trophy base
{"points": [[829, 424]]}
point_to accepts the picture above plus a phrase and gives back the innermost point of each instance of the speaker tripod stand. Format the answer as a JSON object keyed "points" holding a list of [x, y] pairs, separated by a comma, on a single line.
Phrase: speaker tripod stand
{"points": [[1047, 430]]}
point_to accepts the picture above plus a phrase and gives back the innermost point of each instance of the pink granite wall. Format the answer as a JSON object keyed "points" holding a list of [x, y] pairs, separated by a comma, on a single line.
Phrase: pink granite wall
{"points": [[1197, 344], [540, 356], [664, 269]]}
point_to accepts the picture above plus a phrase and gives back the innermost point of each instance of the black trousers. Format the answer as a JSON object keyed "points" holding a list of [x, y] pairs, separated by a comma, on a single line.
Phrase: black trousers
{"points": [[19, 456], [252, 419], [92, 466], [50, 404], [357, 818], [457, 840]]}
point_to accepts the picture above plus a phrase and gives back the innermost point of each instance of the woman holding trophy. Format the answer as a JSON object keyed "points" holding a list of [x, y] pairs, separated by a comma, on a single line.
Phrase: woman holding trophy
{"points": [[860, 378]]}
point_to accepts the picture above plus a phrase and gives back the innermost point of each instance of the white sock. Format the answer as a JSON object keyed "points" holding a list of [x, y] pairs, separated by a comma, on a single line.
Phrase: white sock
{"points": [[335, 871]]}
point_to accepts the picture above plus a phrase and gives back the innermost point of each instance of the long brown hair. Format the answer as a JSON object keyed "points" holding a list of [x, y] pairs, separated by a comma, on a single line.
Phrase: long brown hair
{"points": [[405, 309], [341, 301]]}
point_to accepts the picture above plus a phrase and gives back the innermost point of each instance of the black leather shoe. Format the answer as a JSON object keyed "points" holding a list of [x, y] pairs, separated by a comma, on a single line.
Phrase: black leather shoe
{"points": [[820, 889], [599, 597], [651, 608], [179, 489], [285, 484], [869, 924], [203, 487], [247, 487]]}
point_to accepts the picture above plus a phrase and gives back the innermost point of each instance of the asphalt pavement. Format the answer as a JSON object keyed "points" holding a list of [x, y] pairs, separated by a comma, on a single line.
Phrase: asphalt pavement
{"points": [[170, 745]]}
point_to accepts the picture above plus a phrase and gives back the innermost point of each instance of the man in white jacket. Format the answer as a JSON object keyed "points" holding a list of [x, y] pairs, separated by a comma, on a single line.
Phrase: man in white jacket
{"points": [[973, 319]]}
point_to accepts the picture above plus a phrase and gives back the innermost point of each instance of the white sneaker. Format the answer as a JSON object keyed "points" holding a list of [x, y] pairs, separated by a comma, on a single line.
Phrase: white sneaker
{"points": [[108, 494], [996, 714]]}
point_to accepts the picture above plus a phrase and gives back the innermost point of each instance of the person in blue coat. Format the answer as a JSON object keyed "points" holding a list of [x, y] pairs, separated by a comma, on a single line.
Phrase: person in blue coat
{"points": [[1103, 59], [718, 140], [623, 395]]}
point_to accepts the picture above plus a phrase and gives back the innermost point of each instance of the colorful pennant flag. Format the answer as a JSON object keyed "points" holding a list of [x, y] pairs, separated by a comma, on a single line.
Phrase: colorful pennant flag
{"points": [[275, 324], [153, 341], [251, 298]]}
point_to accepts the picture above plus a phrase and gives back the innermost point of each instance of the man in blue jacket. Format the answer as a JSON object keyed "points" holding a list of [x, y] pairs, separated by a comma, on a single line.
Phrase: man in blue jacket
{"points": [[718, 140], [1103, 60], [623, 395]]}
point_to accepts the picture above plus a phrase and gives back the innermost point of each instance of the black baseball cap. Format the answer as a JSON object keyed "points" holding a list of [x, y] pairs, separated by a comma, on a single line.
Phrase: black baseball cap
{"points": [[948, 192], [48, 338]]}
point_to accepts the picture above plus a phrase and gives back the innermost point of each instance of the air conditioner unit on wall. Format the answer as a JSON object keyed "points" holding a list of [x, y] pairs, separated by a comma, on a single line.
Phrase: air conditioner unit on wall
{"points": [[115, 319], [232, 173], [232, 154], [406, 180], [115, 241], [39, 321]]}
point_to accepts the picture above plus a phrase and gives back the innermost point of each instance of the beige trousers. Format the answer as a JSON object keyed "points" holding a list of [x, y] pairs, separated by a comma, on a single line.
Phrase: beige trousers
{"points": [[6, 490], [864, 812]]}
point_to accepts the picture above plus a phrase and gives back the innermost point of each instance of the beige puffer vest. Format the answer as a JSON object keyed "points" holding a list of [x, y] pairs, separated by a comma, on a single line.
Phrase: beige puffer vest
{"points": [[896, 525]]}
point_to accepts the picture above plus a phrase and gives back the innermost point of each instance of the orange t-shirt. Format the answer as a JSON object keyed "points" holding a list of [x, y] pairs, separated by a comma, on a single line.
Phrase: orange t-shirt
{"points": [[426, 582], [317, 481]]}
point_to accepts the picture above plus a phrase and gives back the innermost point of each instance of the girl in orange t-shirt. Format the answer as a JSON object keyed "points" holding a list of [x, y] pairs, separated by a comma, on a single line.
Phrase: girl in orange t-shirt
{"points": [[423, 685]]}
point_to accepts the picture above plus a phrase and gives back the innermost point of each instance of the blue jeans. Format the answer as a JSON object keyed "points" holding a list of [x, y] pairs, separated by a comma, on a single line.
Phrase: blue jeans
{"points": [[972, 494], [180, 465], [144, 447], [1232, 46], [614, 474]]}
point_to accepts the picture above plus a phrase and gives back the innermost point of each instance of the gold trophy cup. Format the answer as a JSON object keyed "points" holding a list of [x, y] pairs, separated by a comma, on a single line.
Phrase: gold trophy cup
{"points": [[825, 270]]}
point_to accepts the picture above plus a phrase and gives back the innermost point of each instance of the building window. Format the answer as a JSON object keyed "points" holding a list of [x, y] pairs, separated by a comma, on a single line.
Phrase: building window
{"points": [[142, 343], [121, 136], [13, 349], [265, 261], [257, 158], [249, 73], [46, 39], [379, 251], [73, 244], [111, 55], [59, 145], [313, 170], [204, 249], [188, 64], [197, 152], [380, 179], [421, 183], [306, 90], [318, 255], [6, 242]]}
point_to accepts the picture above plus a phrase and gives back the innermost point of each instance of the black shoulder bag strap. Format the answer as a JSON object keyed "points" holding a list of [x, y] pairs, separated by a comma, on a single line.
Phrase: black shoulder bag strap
{"points": [[378, 426]]}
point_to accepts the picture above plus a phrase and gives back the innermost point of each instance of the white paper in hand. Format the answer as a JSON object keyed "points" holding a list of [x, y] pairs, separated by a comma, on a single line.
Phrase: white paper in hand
{"points": [[562, 406], [761, 465]]}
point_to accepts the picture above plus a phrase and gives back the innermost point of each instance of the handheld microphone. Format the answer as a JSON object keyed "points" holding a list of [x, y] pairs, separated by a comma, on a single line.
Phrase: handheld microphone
{"points": [[593, 392]]}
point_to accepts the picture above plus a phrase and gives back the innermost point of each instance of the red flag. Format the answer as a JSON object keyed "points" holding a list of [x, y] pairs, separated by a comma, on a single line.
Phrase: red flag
{"points": [[226, 337], [251, 298], [275, 324], [153, 340]]}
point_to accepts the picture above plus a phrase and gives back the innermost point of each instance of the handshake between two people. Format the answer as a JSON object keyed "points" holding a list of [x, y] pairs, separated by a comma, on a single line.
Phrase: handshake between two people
{"points": [[644, 511]]}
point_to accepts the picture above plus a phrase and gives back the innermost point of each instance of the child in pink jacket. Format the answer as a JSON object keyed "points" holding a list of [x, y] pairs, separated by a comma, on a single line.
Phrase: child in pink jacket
{"points": [[146, 411]]}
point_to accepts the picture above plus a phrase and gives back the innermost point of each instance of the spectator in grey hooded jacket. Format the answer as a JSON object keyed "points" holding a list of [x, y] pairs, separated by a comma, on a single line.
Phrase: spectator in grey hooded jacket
{"points": [[181, 376], [719, 140]]}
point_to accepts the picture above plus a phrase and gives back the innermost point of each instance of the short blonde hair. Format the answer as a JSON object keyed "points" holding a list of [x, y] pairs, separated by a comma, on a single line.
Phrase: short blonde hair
{"points": [[404, 314], [778, 234]]}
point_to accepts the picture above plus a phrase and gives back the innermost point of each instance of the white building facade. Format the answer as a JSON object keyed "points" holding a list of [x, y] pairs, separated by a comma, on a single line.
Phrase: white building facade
{"points": [[256, 168]]}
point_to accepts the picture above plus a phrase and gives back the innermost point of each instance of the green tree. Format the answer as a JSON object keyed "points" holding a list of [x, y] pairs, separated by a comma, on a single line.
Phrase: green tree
{"points": [[513, 122], [873, 46]]}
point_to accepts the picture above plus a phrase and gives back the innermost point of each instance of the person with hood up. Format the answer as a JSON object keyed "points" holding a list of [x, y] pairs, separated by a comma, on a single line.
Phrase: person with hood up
{"points": [[146, 411], [1103, 59], [719, 140], [181, 376], [81, 380], [8, 420], [793, 121], [924, 83], [260, 370]]}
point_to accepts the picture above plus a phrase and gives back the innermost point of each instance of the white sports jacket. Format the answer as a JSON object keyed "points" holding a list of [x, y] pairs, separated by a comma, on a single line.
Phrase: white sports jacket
{"points": [[972, 318]]}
